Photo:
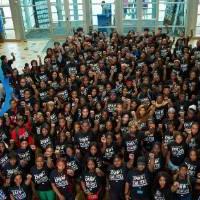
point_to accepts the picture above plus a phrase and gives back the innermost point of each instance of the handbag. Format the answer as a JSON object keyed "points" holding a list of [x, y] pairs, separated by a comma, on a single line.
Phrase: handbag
{"points": [[93, 197]]}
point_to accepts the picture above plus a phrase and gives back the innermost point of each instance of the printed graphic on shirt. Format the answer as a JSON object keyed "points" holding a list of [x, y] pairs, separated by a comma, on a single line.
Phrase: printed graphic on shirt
{"points": [[116, 175], [183, 189], [61, 181], [139, 181], [90, 182], [41, 177], [19, 194]]}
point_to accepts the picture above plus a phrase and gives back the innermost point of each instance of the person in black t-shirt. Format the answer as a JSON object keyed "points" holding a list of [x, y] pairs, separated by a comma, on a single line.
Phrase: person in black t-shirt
{"points": [[7, 64], [11, 167], [162, 187], [84, 138], [3, 155], [192, 162], [177, 151], [40, 180], [18, 189], [182, 185], [116, 178], [91, 181], [25, 155], [138, 180], [108, 149], [60, 181]]}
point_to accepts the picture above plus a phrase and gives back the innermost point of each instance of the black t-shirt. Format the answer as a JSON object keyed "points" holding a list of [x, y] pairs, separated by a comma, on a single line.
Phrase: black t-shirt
{"points": [[25, 154], [41, 178], [4, 134], [19, 193], [166, 122], [124, 130], [96, 158], [74, 164], [139, 183], [132, 144], [61, 181], [3, 160], [43, 94], [92, 181], [117, 178], [110, 151], [61, 146], [167, 138], [9, 169], [150, 139], [162, 194], [160, 113], [83, 140], [195, 141], [177, 153], [3, 193], [188, 123], [184, 188], [193, 167], [111, 106], [43, 76], [158, 162], [44, 141], [53, 116]]}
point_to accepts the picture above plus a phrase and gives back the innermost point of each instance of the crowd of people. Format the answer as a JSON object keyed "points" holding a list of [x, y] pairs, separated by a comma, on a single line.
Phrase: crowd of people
{"points": [[104, 118]]}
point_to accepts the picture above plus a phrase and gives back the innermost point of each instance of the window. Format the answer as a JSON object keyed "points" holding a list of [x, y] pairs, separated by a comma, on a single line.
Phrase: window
{"points": [[198, 20]]}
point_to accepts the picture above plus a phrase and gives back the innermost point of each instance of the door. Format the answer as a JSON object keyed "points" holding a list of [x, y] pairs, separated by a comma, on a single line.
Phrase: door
{"points": [[8, 31]]}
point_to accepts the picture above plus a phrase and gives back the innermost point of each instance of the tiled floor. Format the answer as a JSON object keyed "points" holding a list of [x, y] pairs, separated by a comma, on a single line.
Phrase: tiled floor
{"points": [[24, 51]]}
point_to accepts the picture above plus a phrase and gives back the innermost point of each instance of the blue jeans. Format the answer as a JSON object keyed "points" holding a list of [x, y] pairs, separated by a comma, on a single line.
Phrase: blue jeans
{"points": [[184, 197], [172, 167]]}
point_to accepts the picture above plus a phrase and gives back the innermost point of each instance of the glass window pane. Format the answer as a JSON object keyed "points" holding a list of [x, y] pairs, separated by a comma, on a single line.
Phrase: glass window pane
{"points": [[58, 13], [197, 31], [26, 2], [5, 12], [8, 23], [4, 2], [9, 34], [72, 18], [130, 13], [128, 3], [54, 17], [198, 20], [161, 15], [75, 1], [80, 12], [96, 9], [28, 17]]}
